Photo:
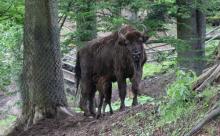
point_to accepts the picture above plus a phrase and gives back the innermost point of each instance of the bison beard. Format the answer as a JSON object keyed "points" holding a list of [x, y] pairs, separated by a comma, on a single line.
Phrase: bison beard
{"points": [[116, 57]]}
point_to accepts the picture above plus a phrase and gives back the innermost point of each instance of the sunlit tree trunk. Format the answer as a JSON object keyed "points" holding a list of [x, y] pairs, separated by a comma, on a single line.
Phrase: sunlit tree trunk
{"points": [[191, 29]]}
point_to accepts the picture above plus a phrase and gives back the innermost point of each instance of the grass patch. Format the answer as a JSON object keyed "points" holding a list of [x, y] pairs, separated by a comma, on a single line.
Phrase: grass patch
{"points": [[128, 102], [151, 69], [5, 123]]}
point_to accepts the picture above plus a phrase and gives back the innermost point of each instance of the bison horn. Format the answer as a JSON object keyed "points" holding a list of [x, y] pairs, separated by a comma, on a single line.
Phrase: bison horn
{"points": [[120, 34], [144, 28]]}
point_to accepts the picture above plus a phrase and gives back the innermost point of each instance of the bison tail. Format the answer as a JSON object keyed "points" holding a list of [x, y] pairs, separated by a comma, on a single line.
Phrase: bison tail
{"points": [[77, 72]]}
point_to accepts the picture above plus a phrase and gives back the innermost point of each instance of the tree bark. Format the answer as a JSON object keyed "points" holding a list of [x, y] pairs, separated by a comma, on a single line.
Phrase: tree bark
{"points": [[191, 29], [42, 87]]}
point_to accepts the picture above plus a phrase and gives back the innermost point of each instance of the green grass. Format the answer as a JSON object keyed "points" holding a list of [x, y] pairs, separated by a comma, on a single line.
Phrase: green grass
{"points": [[174, 116], [177, 120], [128, 102], [151, 69], [5, 123], [210, 49]]}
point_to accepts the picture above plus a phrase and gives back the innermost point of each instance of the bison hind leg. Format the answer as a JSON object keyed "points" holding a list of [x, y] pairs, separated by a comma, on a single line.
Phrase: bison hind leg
{"points": [[135, 101], [100, 106], [110, 107]]}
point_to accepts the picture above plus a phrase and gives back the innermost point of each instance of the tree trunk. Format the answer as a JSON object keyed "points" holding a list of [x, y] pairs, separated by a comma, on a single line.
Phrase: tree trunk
{"points": [[190, 29], [42, 87], [209, 76]]}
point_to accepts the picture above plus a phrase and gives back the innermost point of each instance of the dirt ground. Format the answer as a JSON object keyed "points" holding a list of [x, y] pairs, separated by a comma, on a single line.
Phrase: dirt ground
{"points": [[80, 125], [112, 125]]}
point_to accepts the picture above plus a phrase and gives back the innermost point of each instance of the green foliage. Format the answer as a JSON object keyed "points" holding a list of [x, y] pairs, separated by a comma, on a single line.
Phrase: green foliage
{"points": [[10, 52], [151, 69], [128, 102], [180, 90], [211, 50], [12, 10], [173, 120], [179, 97], [5, 123], [159, 12]]}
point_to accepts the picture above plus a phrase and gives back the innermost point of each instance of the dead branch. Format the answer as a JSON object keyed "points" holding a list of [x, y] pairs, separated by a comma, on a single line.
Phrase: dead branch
{"points": [[63, 21], [65, 111], [202, 77], [60, 18], [152, 48], [208, 117], [65, 16], [216, 37], [213, 76], [218, 27]]}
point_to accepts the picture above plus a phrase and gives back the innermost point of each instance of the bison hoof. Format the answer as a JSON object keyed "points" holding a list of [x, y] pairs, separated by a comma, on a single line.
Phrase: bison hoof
{"points": [[122, 108], [98, 116], [111, 112], [86, 114], [134, 103]]}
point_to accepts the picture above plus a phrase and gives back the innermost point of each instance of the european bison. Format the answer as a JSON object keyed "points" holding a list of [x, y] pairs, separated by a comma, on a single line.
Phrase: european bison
{"points": [[116, 57]]}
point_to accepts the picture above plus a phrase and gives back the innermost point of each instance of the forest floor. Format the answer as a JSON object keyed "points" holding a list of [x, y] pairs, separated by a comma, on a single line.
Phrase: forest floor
{"points": [[144, 119], [80, 125]]}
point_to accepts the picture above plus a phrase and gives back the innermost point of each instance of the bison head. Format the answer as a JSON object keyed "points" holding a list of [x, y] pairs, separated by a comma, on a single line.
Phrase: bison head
{"points": [[133, 40]]}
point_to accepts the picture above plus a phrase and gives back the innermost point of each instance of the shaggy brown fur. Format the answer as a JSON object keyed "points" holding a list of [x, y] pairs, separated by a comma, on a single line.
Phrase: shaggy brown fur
{"points": [[104, 87], [116, 57]]}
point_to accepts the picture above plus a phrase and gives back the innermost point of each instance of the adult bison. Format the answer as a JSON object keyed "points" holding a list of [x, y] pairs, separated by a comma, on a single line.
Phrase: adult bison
{"points": [[115, 57]]}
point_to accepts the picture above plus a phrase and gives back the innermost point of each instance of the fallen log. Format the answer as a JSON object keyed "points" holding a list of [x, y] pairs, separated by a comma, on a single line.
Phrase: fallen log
{"points": [[203, 77], [207, 118]]}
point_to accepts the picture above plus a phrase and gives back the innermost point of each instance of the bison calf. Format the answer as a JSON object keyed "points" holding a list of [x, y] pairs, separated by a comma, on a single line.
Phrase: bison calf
{"points": [[105, 92]]}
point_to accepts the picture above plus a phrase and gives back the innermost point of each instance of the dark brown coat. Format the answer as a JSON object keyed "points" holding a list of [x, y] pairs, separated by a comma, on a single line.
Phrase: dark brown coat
{"points": [[116, 57]]}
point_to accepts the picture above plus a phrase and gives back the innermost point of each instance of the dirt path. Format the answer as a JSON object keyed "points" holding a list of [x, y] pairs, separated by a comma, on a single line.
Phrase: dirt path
{"points": [[83, 126]]}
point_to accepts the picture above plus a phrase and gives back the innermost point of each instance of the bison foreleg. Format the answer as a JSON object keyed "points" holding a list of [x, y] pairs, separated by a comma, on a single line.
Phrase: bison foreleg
{"points": [[135, 87], [122, 92], [86, 96], [91, 102]]}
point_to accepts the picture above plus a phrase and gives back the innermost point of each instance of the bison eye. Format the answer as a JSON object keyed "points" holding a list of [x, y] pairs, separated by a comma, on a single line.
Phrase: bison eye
{"points": [[126, 42]]}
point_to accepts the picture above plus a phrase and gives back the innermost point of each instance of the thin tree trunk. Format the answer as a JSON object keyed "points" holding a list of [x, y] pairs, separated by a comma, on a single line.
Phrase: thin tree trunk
{"points": [[190, 29]]}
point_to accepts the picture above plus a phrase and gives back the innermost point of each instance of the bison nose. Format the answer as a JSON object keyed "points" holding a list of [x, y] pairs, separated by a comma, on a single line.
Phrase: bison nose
{"points": [[136, 57]]}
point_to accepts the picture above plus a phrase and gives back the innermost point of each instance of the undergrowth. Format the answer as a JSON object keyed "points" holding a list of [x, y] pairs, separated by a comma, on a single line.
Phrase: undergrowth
{"points": [[5, 123], [176, 113]]}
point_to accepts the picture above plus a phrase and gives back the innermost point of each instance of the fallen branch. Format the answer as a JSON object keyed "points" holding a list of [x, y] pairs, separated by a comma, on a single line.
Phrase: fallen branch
{"points": [[213, 76], [218, 27], [208, 39], [211, 115], [152, 48], [202, 77]]}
